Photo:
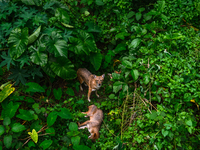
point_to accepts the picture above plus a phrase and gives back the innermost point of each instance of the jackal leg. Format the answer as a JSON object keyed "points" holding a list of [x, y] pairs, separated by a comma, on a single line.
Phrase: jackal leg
{"points": [[96, 93]]}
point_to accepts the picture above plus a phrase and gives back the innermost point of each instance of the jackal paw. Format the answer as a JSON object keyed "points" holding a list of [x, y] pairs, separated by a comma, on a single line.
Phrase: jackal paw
{"points": [[97, 95], [89, 100]]}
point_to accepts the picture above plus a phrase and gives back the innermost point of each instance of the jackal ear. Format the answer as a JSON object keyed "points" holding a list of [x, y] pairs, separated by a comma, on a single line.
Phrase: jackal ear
{"points": [[95, 76], [103, 75]]}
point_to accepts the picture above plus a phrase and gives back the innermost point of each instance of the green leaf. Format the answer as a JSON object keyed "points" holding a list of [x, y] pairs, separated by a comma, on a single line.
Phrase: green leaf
{"points": [[18, 75], [75, 140], [25, 115], [34, 87], [17, 127], [2, 130], [134, 43], [161, 5], [130, 14], [24, 59], [70, 91], [153, 115], [95, 59], [81, 147], [38, 56], [63, 68], [34, 135], [135, 74], [10, 110], [146, 78], [125, 88], [57, 45], [6, 91], [51, 131], [7, 141], [92, 27], [8, 60], [164, 132], [51, 118], [188, 122], [73, 126], [57, 93], [138, 16], [6, 121], [18, 41], [62, 15], [65, 113], [99, 2], [117, 86], [45, 144], [34, 36], [127, 63], [32, 2]]}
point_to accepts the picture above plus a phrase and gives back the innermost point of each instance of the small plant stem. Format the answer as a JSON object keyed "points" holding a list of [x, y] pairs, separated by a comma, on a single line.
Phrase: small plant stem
{"points": [[123, 114]]}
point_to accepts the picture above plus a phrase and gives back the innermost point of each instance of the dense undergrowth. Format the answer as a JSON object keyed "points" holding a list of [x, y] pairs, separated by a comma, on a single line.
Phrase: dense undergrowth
{"points": [[151, 49]]}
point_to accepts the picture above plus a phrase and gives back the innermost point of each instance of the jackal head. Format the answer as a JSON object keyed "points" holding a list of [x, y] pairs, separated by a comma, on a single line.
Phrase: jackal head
{"points": [[99, 80]]}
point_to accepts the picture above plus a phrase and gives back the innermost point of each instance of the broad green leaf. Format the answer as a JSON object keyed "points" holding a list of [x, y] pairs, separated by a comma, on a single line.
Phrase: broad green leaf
{"points": [[34, 135], [63, 68], [6, 121], [138, 16], [88, 41], [161, 5], [134, 43], [73, 126], [99, 2], [31, 144], [164, 132], [19, 75], [25, 115], [153, 115], [75, 140], [135, 74], [57, 45], [146, 78], [34, 87], [6, 91], [189, 122], [2, 130], [10, 110], [32, 2], [92, 27], [57, 93], [130, 14], [125, 88], [62, 15], [127, 63], [95, 59], [65, 113], [7, 60], [51, 118], [38, 56], [18, 41], [34, 36], [70, 91], [45, 144], [7, 141], [117, 86], [51, 131], [81, 147], [47, 69], [17, 127]]}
